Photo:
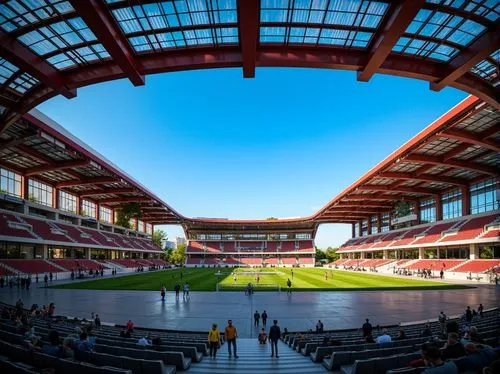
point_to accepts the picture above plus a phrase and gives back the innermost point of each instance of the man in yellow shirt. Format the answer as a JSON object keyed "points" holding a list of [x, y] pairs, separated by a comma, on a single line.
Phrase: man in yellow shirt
{"points": [[230, 334], [213, 340]]}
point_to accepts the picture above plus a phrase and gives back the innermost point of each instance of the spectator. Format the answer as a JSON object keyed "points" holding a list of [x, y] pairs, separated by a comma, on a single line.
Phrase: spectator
{"points": [[33, 343], [369, 339], [145, 340], [435, 364], [401, 335], [442, 320], [426, 331], [52, 309], [230, 334], [452, 326], [274, 336], [468, 314], [264, 318], [384, 338], [367, 328], [472, 336], [213, 340], [480, 309], [453, 348], [68, 347], [53, 348], [477, 359], [319, 326], [130, 326], [97, 321], [83, 344], [262, 336], [285, 333], [256, 318]]}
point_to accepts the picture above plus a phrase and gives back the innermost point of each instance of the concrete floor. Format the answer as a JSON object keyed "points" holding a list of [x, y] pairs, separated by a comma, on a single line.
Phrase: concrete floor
{"points": [[299, 311]]}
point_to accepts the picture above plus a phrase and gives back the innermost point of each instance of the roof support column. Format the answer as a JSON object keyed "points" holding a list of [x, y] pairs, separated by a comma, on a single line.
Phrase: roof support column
{"points": [[439, 207], [353, 227], [369, 225], [417, 211], [421, 253], [379, 223], [465, 201], [249, 23], [360, 228]]}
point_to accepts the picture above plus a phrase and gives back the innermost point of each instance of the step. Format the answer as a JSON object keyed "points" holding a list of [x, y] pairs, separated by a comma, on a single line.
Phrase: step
{"points": [[255, 358]]}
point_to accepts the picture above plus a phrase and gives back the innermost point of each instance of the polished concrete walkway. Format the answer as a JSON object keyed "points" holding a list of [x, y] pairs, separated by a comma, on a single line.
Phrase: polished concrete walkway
{"points": [[254, 358], [299, 311]]}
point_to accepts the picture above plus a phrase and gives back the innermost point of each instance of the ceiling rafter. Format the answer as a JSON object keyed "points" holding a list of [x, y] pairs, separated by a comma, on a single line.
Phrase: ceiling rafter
{"points": [[56, 166], [87, 181], [364, 203], [467, 137], [31, 63], [399, 20], [124, 200], [107, 191], [480, 49], [102, 24], [454, 152], [425, 177], [453, 163], [416, 190]]}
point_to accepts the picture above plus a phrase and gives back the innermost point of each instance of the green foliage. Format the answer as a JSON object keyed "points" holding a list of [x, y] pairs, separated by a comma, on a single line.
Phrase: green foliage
{"points": [[487, 253], [178, 255], [271, 218], [126, 212], [320, 255], [32, 198], [401, 209], [158, 237], [167, 252]]}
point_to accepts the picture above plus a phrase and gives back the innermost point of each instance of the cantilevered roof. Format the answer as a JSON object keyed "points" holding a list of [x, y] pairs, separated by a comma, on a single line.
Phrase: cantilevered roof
{"points": [[52, 47], [460, 147]]}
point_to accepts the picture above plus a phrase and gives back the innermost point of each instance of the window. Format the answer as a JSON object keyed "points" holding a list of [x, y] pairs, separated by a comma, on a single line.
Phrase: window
{"points": [[40, 193], [67, 202], [149, 228], [452, 204], [364, 227], [386, 222], [427, 210], [10, 183], [105, 214], [89, 209], [373, 222], [356, 229], [140, 226], [303, 236], [483, 196]]}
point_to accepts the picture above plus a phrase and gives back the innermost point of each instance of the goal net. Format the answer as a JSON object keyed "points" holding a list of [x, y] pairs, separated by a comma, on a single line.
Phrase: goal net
{"points": [[269, 287]]}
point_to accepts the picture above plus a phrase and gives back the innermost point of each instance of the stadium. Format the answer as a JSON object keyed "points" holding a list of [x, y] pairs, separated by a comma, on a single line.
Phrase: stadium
{"points": [[424, 221]]}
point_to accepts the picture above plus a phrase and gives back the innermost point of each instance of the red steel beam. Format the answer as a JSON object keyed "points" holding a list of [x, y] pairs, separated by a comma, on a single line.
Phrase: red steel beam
{"points": [[455, 151], [84, 182], [484, 46], [417, 190], [249, 26], [29, 62], [453, 163], [124, 200], [426, 178], [364, 203], [102, 24], [400, 19], [56, 166], [470, 138], [106, 191]]}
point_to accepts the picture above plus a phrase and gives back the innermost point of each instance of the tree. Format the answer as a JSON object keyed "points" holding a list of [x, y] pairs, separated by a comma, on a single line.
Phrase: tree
{"points": [[178, 255], [487, 253], [126, 212], [320, 255], [331, 254], [159, 236]]}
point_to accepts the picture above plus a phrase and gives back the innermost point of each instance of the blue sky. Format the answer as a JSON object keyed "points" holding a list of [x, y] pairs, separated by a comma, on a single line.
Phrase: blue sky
{"points": [[212, 144]]}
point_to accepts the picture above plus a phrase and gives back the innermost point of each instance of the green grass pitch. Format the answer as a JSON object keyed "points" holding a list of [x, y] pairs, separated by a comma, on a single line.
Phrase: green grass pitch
{"points": [[304, 279]]}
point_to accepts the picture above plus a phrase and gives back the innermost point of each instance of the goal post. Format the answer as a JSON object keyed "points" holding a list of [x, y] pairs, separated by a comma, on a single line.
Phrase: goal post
{"points": [[261, 287]]}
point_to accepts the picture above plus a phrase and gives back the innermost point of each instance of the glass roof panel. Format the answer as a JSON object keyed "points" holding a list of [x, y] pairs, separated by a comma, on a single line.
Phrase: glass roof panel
{"points": [[488, 9], [16, 14], [488, 69], [58, 35], [78, 56], [6, 70], [23, 83]]}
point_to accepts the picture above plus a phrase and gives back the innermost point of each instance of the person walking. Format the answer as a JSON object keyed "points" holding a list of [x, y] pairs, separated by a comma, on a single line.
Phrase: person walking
{"points": [[177, 289], [289, 285], [264, 318], [480, 309], [162, 292], [185, 290], [367, 328], [213, 340], [256, 318], [46, 280], [274, 336], [230, 334]]}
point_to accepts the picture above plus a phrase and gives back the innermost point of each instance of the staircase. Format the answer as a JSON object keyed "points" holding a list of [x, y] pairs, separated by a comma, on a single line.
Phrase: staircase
{"points": [[56, 265], [255, 358]]}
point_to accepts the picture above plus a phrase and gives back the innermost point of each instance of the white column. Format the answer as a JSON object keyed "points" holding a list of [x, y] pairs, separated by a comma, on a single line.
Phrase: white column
{"points": [[421, 254], [473, 252], [385, 255]]}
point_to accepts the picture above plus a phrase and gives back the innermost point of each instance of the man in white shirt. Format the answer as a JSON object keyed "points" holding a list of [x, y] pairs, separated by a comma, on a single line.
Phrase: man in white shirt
{"points": [[384, 338], [145, 341]]}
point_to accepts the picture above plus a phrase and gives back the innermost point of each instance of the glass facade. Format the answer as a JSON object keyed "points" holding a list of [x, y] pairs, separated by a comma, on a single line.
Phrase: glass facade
{"points": [[428, 210], [10, 183], [373, 221], [40, 193], [452, 204], [140, 226], [386, 222], [149, 228], [105, 214], [356, 229], [89, 209], [364, 227], [67, 202], [483, 196]]}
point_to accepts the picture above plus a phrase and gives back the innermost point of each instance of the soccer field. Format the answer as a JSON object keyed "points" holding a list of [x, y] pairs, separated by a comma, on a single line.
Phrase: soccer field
{"points": [[304, 279]]}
